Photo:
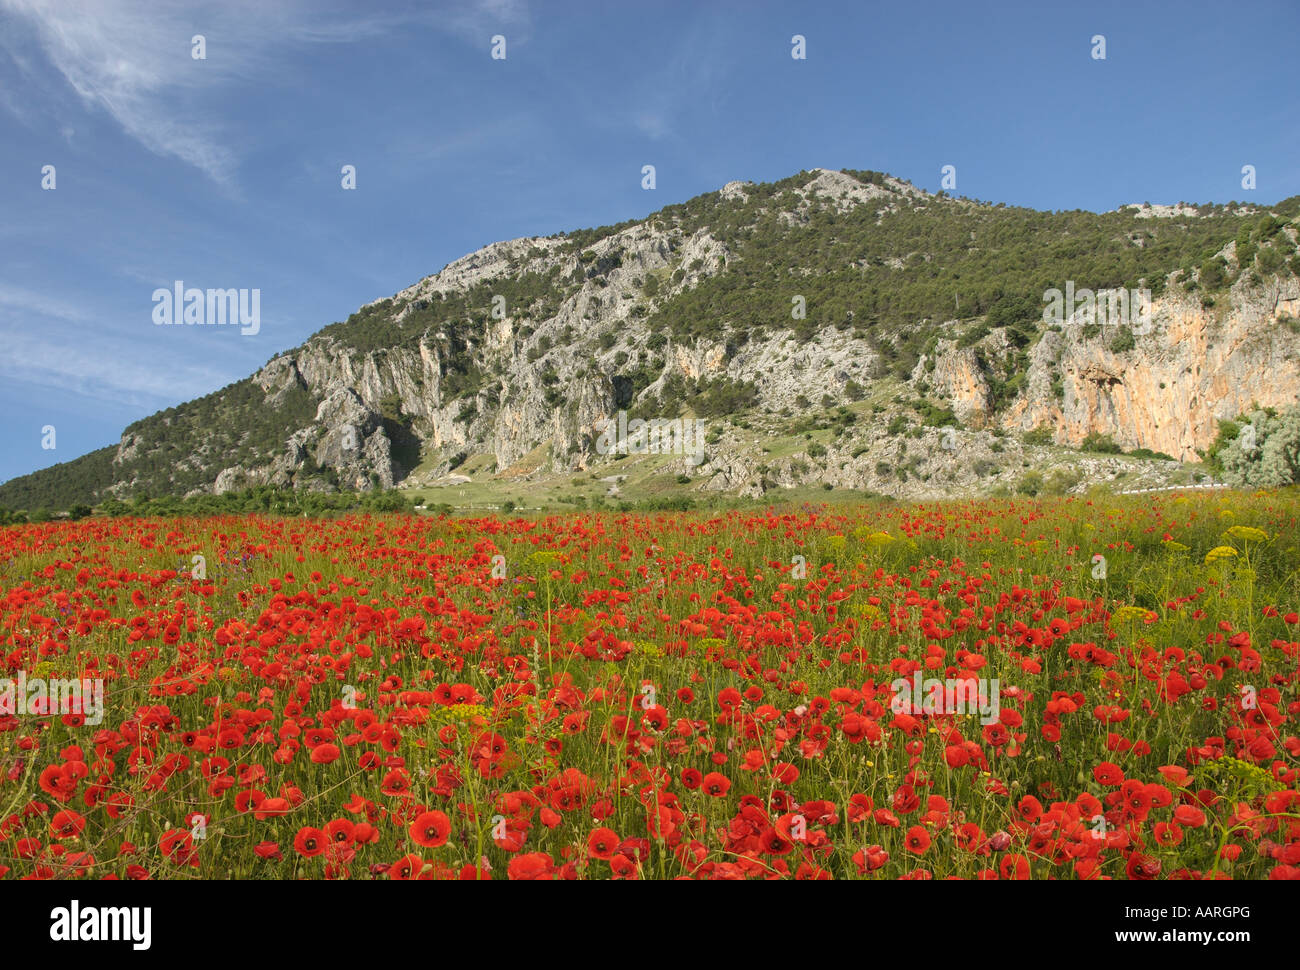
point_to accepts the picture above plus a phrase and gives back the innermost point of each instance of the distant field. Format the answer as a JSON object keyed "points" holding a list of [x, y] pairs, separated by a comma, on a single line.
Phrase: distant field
{"points": [[1003, 689]]}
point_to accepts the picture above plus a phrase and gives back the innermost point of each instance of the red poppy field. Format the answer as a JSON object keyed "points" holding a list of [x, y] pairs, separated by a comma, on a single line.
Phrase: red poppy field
{"points": [[602, 695]]}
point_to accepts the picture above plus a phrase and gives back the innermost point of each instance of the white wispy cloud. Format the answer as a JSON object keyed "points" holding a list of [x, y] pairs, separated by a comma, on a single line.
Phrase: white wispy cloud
{"points": [[134, 61], [55, 344], [75, 365], [15, 299], [652, 124], [687, 80], [654, 97], [476, 22]]}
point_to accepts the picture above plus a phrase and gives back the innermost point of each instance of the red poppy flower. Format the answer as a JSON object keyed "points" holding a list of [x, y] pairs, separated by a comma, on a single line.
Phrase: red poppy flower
{"points": [[1108, 774], [430, 829], [869, 859], [407, 867], [1142, 867], [272, 808], [884, 816], [531, 866], [1176, 775], [340, 831], [1014, 866], [917, 840], [324, 754], [784, 773], [602, 843], [1167, 833], [66, 824], [310, 841], [716, 784]]}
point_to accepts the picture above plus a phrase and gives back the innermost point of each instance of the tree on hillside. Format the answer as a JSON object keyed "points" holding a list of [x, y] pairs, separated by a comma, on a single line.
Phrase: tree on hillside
{"points": [[1265, 451]]}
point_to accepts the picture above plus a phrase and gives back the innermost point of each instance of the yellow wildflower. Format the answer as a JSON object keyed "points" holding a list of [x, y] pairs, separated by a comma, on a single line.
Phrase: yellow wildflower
{"points": [[1220, 552], [1247, 534]]}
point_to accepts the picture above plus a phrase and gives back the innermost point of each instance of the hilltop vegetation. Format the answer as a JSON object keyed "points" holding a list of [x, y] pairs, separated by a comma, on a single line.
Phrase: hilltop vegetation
{"points": [[869, 257]]}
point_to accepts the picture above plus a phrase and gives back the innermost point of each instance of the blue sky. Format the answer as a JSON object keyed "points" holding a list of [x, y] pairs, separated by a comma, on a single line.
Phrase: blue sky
{"points": [[225, 172]]}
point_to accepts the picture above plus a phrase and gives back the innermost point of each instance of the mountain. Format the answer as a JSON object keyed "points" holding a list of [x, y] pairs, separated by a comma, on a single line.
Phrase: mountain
{"points": [[839, 329]]}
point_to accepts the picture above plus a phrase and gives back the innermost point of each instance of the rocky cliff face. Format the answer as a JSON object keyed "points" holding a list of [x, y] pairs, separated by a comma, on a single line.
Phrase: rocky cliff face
{"points": [[1195, 367], [529, 385]]}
